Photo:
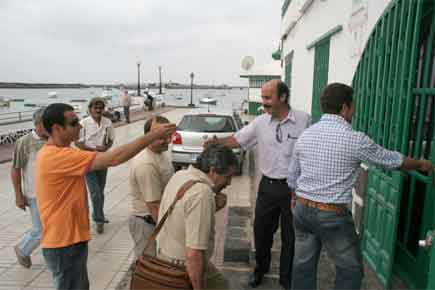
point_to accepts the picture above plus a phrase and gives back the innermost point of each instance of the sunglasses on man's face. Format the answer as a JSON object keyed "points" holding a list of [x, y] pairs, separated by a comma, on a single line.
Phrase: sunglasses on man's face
{"points": [[74, 123]]}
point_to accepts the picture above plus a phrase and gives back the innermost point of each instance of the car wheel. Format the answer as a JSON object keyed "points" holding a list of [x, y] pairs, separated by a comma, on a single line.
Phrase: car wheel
{"points": [[177, 166], [117, 116]]}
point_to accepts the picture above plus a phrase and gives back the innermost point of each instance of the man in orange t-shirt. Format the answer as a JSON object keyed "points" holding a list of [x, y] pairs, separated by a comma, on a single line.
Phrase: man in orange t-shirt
{"points": [[62, 196]]}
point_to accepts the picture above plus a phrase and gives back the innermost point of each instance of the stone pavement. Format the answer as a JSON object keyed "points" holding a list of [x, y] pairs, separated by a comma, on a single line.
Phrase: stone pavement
{"points": [[110, 254]]}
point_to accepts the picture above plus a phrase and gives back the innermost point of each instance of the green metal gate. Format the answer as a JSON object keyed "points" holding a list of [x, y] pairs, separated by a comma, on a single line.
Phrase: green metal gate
{"points": [[320, 79], [394, 91]]}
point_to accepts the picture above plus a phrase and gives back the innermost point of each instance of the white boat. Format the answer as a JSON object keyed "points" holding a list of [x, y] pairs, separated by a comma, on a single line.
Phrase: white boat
{"points": [[208, 101], [4, 102], [52, 95]]}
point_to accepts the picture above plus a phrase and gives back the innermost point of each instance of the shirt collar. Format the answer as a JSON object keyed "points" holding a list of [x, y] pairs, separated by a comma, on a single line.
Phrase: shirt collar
{"points": [[290, 117], [200, 176], [337, 119]]}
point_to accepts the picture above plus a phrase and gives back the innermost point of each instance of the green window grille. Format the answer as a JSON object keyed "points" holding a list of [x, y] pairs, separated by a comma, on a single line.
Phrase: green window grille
{"points": [[288, 71], [320, 78], [395, 105]]}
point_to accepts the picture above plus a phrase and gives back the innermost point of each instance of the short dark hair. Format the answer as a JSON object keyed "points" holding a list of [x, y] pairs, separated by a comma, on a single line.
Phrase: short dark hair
{"points": [[149, 122], [283, 90], [54, 114], [334, 96], [218, 156]]}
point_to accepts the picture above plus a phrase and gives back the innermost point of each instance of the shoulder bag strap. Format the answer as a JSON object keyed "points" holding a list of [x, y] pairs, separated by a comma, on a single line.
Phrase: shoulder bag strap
{"points": [[185, 187]]}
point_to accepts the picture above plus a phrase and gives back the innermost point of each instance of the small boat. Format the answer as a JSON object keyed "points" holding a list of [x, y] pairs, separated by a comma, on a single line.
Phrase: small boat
{"points": [[4, 102], [178, 98], [30, 105], [52, 95], [17, 100], [208, 101]]}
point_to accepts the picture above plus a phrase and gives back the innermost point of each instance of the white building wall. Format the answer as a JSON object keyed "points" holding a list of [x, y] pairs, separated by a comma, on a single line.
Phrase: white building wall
{"points": [[346, 46]]}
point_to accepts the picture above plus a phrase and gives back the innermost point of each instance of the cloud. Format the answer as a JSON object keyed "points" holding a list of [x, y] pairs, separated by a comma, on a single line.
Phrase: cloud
{"points": [[100, 41]]}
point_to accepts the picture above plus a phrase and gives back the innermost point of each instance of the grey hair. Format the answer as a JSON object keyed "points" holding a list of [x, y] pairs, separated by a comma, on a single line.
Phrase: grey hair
{"points": [[37, 116], [218, 156]]}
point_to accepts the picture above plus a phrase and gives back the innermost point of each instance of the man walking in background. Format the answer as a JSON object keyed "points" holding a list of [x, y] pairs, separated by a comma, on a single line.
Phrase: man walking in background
{"points": [[323, 171], [97, 134], [150, 172], [126, 103], [275, 134], [61, 192], [23, 180]]}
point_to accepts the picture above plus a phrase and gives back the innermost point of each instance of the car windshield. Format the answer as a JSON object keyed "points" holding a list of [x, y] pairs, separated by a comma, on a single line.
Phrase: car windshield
{"points": [[207, 123]]}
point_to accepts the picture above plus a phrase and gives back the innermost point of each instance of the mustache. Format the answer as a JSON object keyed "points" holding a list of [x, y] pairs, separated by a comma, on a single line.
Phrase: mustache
{"points": [[267, 106]]}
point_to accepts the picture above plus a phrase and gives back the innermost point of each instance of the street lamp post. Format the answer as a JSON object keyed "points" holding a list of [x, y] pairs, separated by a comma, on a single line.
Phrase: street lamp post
{"points": [[138, 78], [192, 75]]}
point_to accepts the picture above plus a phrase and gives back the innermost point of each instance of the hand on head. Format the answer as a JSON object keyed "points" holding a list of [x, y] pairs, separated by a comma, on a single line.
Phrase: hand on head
{"points": [[162, 130]]}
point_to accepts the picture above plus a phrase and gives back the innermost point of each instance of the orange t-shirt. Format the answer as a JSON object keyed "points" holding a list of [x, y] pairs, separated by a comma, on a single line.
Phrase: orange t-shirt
{"points": [[61, 195]]}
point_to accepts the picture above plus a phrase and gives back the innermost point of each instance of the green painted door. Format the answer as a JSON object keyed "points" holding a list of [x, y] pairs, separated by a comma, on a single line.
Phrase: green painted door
{"points": [[395, 100], [320, 79]]}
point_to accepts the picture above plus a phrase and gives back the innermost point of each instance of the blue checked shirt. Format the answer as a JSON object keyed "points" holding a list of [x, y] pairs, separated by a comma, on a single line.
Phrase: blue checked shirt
{"points": [[326, 160]]}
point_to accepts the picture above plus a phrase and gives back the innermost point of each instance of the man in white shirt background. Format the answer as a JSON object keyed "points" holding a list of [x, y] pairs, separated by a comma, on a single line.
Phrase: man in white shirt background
{"points": [[97, 134]]}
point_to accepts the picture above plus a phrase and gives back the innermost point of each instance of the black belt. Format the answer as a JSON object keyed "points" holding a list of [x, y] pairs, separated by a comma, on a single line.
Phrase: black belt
{"points": [[148, 219], [275, 180]]}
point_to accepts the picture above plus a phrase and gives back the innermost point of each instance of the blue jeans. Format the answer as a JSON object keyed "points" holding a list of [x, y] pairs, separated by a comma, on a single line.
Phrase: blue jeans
{"points": [[314, 229], [32, 238], [68, 266], [96, 181]]}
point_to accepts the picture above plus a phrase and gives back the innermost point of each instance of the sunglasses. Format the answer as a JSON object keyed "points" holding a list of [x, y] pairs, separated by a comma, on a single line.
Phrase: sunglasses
{"points": [[278, 133], [74, 123]]}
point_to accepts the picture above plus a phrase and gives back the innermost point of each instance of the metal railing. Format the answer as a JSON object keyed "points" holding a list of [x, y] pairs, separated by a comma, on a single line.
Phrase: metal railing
{"points": [[16, 117]]}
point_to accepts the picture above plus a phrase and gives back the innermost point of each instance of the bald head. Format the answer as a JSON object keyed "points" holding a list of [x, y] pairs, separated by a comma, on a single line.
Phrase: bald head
{"points": [[276, 88]]}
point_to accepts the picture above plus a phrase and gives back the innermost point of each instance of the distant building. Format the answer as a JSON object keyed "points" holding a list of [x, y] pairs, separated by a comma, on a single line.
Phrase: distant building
{"points": [[385, 50], [257, 76]]}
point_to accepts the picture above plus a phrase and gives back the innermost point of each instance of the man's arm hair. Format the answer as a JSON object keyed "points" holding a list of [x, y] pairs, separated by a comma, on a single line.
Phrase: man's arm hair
{"points": [[227, 141], [414, 164], [195, 267], [127, 151]]}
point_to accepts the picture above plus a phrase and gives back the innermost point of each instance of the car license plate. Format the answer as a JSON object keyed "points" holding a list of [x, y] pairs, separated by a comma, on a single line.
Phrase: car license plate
{"points": [[194, 156]]}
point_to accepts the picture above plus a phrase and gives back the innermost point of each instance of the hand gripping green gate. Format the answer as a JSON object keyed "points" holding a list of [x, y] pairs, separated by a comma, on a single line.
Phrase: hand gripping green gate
{"points": [[395, 105]]}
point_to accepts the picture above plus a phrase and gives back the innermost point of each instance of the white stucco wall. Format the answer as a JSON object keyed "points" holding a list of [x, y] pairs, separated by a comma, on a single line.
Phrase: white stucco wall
{"points": [[345, 48]]}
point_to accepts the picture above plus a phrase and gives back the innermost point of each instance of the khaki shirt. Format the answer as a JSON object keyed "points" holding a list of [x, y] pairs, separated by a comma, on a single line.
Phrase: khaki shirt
{"points": [[24, 157], [149, 174], [192, 223]]}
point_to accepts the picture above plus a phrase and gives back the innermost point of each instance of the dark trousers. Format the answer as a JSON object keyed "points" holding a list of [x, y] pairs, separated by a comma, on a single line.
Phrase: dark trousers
{"points": [[68, 266], [274, 205], [127, 113]]}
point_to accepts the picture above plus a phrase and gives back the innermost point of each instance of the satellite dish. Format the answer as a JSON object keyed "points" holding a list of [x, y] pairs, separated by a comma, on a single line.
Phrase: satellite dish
{"points": [[247, 62]]}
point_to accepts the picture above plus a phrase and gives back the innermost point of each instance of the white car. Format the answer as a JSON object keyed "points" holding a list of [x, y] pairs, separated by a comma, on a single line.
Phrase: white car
{"points": [[198, 126]]}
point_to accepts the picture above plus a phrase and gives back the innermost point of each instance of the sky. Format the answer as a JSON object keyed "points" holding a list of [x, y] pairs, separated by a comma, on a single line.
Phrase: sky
{"points": [[101, 41]]}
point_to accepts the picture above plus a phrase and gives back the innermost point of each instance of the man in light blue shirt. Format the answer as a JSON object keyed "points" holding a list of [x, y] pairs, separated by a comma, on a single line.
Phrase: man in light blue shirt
{"points": [[323, 170], [274, 134]]}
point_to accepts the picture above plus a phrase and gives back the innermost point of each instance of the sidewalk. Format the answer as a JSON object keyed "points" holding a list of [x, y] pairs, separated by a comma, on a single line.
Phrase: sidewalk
{"points": [[110, 254]]}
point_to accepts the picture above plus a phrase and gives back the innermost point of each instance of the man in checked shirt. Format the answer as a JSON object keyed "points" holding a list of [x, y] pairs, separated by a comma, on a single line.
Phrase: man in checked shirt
{"points": [[274, 133], [322, 172]]}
